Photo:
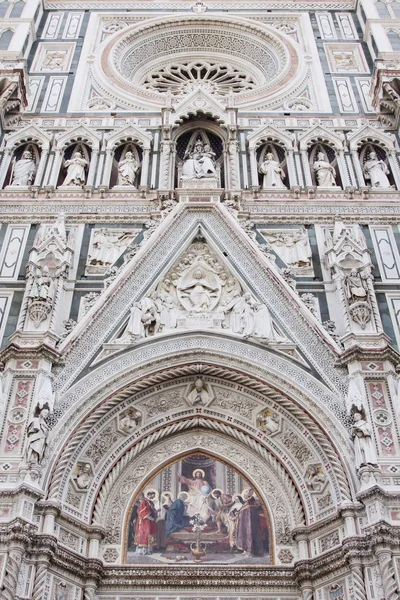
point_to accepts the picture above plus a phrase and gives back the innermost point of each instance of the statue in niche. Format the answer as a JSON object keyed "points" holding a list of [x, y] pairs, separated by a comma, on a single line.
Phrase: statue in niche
{"points": [[292, 246], [364, 448], [127, 170], [75, 170], [356, 287], [37, 433], [376, 171], [24, 169], [199, 394], [199, 161], [83, 477], [272, 172], [42, 286], [324, 171]]}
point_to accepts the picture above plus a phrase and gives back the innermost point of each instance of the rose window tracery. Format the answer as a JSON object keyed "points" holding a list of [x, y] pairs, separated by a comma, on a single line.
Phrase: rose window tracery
{"points": [[220, 79]]}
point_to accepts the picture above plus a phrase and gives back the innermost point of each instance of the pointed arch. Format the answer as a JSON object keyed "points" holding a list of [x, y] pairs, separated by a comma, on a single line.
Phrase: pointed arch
{"points": [[80, 134], [318, 134], [269, 134], [371, 135]]}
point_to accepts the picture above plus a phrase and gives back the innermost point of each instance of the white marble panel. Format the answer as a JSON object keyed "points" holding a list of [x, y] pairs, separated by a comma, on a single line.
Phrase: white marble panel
{"points": [[326, 26], [5, 305], [35, 87], [386, 253], [12, 251], [52, 26], [73, 25], [393, 300], [364, 86], [54, 94], [347, 28], [345, 95]]}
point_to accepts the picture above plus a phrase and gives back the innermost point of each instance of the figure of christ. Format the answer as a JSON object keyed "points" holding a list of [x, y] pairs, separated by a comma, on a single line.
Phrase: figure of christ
{"points": [[146, 527], [199, 290], [198, 496]]}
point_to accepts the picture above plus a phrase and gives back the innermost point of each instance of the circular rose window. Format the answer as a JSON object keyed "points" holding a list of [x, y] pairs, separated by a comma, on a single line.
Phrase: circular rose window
{"points": [[225, 56]]}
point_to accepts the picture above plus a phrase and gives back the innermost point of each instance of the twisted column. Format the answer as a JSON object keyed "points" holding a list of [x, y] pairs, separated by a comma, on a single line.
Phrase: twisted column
{"points": [[40, 581], [387, 574], [233, 165], [145, 167], [358, 582], [164, 167], [89, 593], [41, 167], [253, 168], [13, 565], [92, 167]]}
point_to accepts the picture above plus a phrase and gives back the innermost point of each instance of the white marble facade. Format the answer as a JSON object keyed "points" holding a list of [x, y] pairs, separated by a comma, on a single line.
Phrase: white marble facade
{"points": [[199, 303]]}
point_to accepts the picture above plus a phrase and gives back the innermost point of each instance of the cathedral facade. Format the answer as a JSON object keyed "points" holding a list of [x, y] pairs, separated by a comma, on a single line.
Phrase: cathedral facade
{"points": [[199, 300]]}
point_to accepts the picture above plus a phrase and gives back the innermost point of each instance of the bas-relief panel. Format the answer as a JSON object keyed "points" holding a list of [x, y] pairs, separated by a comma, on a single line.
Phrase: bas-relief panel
{"points": [[198, 510]]}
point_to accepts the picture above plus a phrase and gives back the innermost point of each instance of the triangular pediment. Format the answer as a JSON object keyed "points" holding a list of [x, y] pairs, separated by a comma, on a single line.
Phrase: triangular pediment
{"points": [[237, 255], [199, 102], [200, 292]]}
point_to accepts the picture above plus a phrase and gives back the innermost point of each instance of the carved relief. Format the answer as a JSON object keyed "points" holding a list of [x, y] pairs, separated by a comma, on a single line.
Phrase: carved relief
{"points": [[106, 246], [200, 293], [268, 421], [83, 476], [293, 248]]}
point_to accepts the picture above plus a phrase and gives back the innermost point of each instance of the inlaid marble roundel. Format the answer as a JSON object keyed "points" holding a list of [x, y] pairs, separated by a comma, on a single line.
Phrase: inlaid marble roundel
{"points": [[223, 56]]}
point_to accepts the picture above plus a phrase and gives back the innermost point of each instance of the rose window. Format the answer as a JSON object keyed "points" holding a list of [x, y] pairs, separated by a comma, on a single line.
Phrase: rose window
{"points": [[183, 78]]}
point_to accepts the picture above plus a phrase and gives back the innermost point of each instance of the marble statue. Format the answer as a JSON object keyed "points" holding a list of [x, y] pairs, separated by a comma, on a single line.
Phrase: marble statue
{"points": [[199, 394], [315, 477], [24, 169], [324, 171], [268, 422], [272, 172], [376, 171], [199, 161], [107, 246], [356, 287], [364, 447], [292, 246], [42, 285], [83, 477], [200, 293], [37, 433], [144, 319], [129, 421], [75, 170], [127, 170]]}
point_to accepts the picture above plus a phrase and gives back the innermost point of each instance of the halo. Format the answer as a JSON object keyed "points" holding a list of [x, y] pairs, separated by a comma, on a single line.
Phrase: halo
{"points": [[200, 471], [151, 489], [245, 492], [167, 493], [216, 490], [186, 495]]}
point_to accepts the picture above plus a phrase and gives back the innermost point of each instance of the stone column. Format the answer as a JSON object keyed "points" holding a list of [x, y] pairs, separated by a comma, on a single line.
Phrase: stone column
{"points": [[5, 163], [92, 167], [358, 582], [394, 166], [107, 167], [387, 573], [343, 169], [13, 564], [55, 171], [41, 167], [253, 168], [306, 168], [291, 168], [357, 168], [233, 165], [164, 179], [145, 168]]}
